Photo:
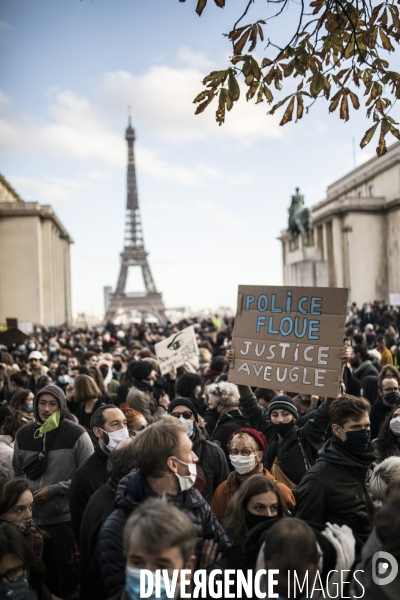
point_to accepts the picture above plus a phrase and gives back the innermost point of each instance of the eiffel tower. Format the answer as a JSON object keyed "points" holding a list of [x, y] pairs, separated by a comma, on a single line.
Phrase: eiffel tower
{"points": [[134, 255]]}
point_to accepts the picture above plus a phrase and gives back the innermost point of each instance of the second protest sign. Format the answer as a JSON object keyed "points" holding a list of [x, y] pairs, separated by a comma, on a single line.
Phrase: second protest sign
{"points": [[289, 338]]}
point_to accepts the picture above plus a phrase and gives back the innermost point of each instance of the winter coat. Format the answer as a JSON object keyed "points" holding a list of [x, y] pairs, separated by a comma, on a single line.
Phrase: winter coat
{"points": [[335, 493], [144, 402], [219, 503], [212, 461], [6, 456], [98, 509], [68, 446], [91, 475], [226, 425], [211, 418], [289, 452], [132, 491], [377, 416]]}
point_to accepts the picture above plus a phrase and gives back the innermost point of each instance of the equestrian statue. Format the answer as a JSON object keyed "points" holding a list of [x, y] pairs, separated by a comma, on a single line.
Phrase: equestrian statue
{"points": [[299, 220]]}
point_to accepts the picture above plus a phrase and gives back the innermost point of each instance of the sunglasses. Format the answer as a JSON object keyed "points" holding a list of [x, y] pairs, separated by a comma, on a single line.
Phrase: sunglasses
{"points": [[186, 415]]}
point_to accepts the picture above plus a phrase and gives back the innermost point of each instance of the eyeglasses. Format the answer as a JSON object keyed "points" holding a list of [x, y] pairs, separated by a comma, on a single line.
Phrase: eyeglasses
{"points": [[390, 390], [13, 574], [243, 452], [187, 414]]}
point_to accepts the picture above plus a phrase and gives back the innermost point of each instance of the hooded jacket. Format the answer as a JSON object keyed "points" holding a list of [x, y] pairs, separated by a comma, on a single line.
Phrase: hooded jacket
{"points": [[289, 451], [334, 490], [132, 491], [68, 446]]}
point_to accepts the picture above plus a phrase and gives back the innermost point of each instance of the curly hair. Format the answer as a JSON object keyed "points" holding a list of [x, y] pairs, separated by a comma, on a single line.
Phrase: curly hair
{"points": [[226, 394]]}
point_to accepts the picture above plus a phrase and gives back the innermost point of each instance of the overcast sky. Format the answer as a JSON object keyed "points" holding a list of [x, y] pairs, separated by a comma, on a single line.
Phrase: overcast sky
{"points": [[213, 199]]}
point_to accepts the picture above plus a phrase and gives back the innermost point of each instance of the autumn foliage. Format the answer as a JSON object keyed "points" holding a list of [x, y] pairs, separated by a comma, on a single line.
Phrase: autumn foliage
{"points": [[338, 51]]}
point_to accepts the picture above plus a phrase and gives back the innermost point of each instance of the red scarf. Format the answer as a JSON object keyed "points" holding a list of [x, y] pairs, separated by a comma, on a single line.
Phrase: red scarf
{"points": [[234, 480]]}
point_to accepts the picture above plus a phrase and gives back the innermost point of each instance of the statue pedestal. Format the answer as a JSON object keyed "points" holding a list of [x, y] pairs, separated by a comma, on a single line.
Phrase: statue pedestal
{"points": [[306, 266]]}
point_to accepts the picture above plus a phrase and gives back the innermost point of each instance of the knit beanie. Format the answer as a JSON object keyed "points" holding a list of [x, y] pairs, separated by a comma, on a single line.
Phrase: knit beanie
{"points": [[183, 402], [284, 403], [257, 435], [139, 369]]}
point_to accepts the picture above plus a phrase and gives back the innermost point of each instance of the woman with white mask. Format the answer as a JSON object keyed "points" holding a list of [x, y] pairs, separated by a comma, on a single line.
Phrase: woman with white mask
{"points": [[247, 448]]}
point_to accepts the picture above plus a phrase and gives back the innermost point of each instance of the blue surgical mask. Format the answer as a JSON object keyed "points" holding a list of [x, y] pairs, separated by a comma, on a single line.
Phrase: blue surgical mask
{"points": [[17, 590], [30, 406], [63, 379], [132, 585], [189, 424], [22, 347]]}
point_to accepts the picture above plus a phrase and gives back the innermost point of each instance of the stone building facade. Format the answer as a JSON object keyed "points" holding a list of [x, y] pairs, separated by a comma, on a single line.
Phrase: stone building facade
{"points": [[34, 261], [356, 234]]}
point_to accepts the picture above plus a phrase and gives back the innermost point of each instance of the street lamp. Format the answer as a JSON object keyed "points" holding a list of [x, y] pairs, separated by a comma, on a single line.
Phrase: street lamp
{"points": [[347, 229], [64, 236]]}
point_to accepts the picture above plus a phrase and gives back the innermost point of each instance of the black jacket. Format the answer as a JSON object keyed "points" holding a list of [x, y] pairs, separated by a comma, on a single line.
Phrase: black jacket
{"points": [[98, 509], [335, 493], [228, 424], [85, 481], [378, 414], [212, 461], [367, 368], [311, 437], [211, 418], [84, 418], [132, 491]]}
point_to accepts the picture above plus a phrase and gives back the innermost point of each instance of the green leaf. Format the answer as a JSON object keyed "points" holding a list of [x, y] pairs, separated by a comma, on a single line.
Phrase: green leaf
{"points": [[233, 86]]}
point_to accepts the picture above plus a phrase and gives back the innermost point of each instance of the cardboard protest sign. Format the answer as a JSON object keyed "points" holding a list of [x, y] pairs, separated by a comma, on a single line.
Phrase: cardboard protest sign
{"points": [[394, 299], [176, 350], [289, 338]]}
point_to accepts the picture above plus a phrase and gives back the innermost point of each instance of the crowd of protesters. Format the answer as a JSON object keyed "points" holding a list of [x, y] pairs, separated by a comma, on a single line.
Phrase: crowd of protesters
{"points": [[107, 467]]}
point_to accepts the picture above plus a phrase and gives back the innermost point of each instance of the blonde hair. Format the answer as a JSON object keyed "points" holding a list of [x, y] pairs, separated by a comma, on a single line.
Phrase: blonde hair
{"points": [[247, 439]]}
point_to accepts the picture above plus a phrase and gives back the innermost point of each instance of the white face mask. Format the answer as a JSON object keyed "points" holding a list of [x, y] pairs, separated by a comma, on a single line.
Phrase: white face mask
{"points": [[115, 437], [189, 424], [395, 425], [243, 464], [187, 481]]}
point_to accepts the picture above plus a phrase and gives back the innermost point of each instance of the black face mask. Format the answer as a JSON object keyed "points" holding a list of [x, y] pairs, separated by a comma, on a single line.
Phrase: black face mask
{"points": [[358, 441], [117, 366], [254, 520], [393, 398], [283, 428]]}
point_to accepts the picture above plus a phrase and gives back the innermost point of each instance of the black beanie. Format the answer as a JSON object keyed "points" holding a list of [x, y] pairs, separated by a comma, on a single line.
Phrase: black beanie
{"points": [[140, 369], [183, 402]]}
